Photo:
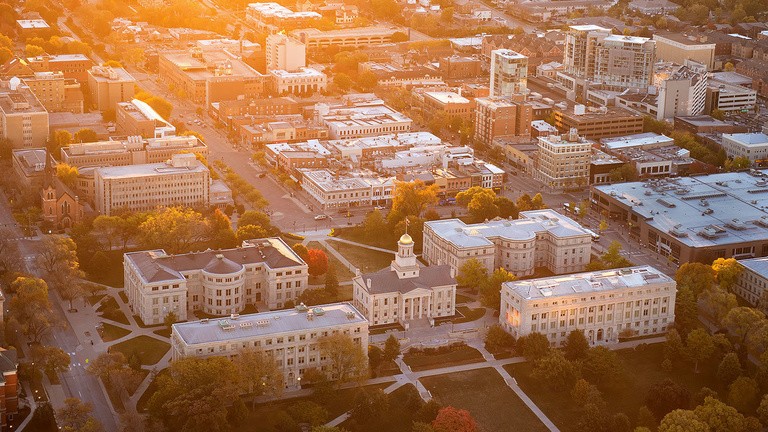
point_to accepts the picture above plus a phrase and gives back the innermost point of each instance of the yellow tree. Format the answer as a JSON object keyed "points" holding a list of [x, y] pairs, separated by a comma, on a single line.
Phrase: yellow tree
{"points": [[346, 358], [411, 199], [727, 271], [174, 229]]}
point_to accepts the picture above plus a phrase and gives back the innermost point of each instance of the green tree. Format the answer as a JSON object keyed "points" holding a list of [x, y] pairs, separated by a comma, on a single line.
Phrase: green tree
{"points": [[666, 396], [34, 51], [367, 80], [698, 347], [682, 421], [744, 394], [300, 250], [555, 371], [374, 225], [342, 81], [255, 218], [762, 410], [170, 319], [612, 258], [331, 281], [472, 273], [85, 135], [673, 346], [490, 290], [720, 417], [446, 15], [576, 345], [497, 338], [346, 358], [584, 393], [173, 229], [258, 374], [250, 232], [533, 346], [56, 253], [718, 114], [601, 363], [59, 138], [391, 348], [52, 359], [717, 302], [686, 309], [729, 368], [741, 321], [625, 173]]}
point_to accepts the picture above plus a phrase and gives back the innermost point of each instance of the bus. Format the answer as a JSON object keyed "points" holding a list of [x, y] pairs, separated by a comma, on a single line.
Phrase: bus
{"points": [[595, 236]]}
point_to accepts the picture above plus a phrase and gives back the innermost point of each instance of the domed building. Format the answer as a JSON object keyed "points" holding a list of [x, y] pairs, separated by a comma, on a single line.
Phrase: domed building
{"points": [[264, 272], [405, 291]]}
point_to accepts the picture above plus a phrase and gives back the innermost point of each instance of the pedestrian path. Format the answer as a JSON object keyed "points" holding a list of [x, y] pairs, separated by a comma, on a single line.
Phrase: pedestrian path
{"points": [[341, 240]]}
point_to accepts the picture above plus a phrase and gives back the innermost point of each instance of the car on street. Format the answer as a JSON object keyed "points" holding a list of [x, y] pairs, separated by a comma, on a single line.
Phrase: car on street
{"points": [[321, 217]]}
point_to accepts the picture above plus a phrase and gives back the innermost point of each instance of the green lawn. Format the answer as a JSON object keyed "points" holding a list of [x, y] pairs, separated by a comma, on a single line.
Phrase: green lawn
{"points": [[343, 273], [109, 309], [357, 235], [641, 371], [460, 299], [468, 314], [112, 275], [385, 328], [141, 405], [263, 418], [165, 332], [367, 260], [149, 349], [142, 325], [94, 299], [123, 297], [482, 392], [112, 332], [460, 356]]}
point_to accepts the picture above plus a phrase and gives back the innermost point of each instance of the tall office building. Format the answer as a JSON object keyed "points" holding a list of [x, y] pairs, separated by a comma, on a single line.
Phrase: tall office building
{"points": [[497, 117], [509, 72], [595, 56], [285, 53], [564, 160]]}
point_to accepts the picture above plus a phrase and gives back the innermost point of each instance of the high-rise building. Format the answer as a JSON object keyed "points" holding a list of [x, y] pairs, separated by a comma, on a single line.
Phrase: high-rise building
{"points": [[109, 86], [498, 117], [563, 160], [509, 72], [596, 57], [23, 119], [55, 92], [285, 53]]}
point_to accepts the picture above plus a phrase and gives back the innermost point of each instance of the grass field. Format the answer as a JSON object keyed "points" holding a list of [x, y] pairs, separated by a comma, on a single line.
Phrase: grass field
{"points": [[149, 349], [357, 235], [482, 392], [464, 355], [141, 405], [112, 332], [113, 274], [165, 332], [123, 297], [641, 371], [263, 418], [343, 273], [461, 299], [109, 309], [468, 314], [95, 299], [367, 260]]}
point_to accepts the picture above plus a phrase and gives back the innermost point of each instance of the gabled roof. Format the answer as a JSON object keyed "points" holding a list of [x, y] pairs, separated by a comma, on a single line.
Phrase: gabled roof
{"points": [[386, 280]]}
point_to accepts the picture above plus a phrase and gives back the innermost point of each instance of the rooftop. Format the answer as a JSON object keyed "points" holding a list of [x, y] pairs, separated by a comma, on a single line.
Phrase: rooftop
{"points": [[359, 31], [386, 280], [590, 282], [447, 97], [268, 323], [329, 182], [642, 140], [682, 39], [210, 63], [301, 72], [32, 24], [508, 53], [757, 265], [700, 211], [150, 170], [525, 228], [157, 266], [748, 139]]}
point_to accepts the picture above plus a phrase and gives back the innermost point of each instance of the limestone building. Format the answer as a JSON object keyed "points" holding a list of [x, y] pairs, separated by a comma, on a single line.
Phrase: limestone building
{"points": [[23, 119], [606, 304], [263, 271], [540, 238], [290, 336], [182, 181], [109, 86], [404, 291], [563, 160]]}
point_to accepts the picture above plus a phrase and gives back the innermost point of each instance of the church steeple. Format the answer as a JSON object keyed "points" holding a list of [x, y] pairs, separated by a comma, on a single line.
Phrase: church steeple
{"points": [[50, 171]]}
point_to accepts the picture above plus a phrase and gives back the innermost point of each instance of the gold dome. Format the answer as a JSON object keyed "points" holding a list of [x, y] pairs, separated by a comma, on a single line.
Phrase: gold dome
{"points": [[406, 239]]}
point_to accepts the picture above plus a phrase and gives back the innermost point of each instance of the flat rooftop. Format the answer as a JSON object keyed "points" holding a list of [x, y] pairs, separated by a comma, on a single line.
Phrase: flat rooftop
{"points": [[447, 97], [205, 69], [32, 24], [701, 211], [150, 170], [268, 323], [508, 53], [683, 39], [328, 182], [301, 73], [525, 228], [590, 282], [359, 31], [749, 139], [703, 120], [647, 139]]}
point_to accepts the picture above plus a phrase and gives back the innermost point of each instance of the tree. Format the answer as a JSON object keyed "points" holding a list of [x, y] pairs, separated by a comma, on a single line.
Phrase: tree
{"points": [[30, 307], [258, 373], [254, 218], [727, 272], [533, 346], [367, 80], [483, 206], [67, 174], [666, 396], [449, 419], [719, 416], [741, 321], [331, 281], [52, 359], [446, 15], [584, 393], [250, 232], [300, 250], [613, 258], [601, 363], [718, 114], [391, 348], [33, 50], [682, 421], [411, 199], [194, 394], [686, 309], [625, 173], [593, 419], [76, 416], [56, 252], [170, 319], [498, 339], [576, 345], [673, 346], [107, 365], [729, 368], [317, 261], [717, 302], [472, 273], [698, 347], [161, 106], [490, 289], [697, 277], [374, 225], [173, 229], [342, 81], [744, 394], [762, 410], [555, 371], [85, 135], [346, 358]]}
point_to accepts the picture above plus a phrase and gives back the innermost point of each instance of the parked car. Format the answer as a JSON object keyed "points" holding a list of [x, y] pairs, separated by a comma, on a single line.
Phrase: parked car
{"points": [[321, 217]]}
